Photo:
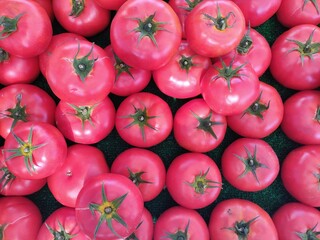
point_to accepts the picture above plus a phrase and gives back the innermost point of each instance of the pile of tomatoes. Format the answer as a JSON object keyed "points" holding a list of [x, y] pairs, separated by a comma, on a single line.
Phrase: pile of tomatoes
{"points": [[151, 119]]}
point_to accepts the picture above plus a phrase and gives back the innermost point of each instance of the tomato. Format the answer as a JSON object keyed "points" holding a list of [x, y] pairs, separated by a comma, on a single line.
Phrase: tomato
{"points": [[75, 171], [301, 117], [180, 223], [235, 219], [61, 224], [79, 72], [144, 168], [214, 28], [144, 230], [20, 218], [263, 116], [180, 77], [47, 5], [296, 221], [257, 12], [293, 13], [194, 180], [250, 164], [86, 124], [145, 34], [143, 119], [230, 87], [26, 28], [24, 103], [296, 57], [300, 174], [34, 150], [128, 80], [17, 70], [111, 5], [86, 18], [109, 206], [197, 128]]}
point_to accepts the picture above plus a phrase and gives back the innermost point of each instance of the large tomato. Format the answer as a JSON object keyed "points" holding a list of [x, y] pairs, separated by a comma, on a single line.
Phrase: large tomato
{"points": [[145, 33]]}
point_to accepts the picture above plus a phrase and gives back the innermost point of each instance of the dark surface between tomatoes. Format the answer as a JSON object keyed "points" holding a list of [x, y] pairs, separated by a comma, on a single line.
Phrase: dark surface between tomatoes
{"points": [[269, 199]]}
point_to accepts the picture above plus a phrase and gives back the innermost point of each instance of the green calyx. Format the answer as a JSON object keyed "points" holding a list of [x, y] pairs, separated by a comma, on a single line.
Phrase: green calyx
{"points": [[18, 113], [4, 55], [307, 49], [60, 235], [179, 235], [121, 67], [251, 163], [9, 25], [133, 235], [83, 113], [136, 178], [317, 115], [245, 44], [77, 8], [83, 66], [220, 22], [257, 108], [314, 2], [201, 183], [7, 178], [242, 228], [2, 227], [310, 234], [186, 63], [108, 212], [191, 4]]}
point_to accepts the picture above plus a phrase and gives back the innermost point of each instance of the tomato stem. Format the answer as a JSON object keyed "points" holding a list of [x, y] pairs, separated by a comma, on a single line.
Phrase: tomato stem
{"points": [[77, 8], [84, 113], [9, 25], [257, 108], [136, 178], [201, 183], [121, 67], [220, 22], [18, 113], [242, 228], [245, 44]]}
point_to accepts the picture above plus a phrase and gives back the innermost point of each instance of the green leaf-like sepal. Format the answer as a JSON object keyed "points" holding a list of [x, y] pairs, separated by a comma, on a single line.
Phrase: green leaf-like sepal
{"points": [[220, 22], [9, 25], [242, 228], [201, 183], [60, 234], [179, 235], [77, 8]]}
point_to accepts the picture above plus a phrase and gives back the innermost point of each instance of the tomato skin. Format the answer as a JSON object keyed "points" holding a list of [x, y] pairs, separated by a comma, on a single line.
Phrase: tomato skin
{"points": [[75, 171], [144, 53], [300, 120], [248, 124], [176, 81], [47, 5], [20, 217], [142, 160], [176, 219], [293, 217], [226, 213], [286, 65], [145, 230], [205, 38], [111, 5]]}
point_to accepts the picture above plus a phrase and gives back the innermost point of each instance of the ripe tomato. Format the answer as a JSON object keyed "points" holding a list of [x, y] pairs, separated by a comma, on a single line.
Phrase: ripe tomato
{"points": [[34, 150], [300, 174], [144, 168], [20, 218], [180, 77], [79, 72], [26, 29], [180, 223], [75, 171], [263, 116], [241, 219], [145, 34], [199, 182], [111, 5], [86, 124], [297, 221], [230, 87], [301, 117], [197, 128], [296, 57], [214, 28], [143, 119], [109, 206], [144, 230], [250, 164], [24, 103], [46, 4]]}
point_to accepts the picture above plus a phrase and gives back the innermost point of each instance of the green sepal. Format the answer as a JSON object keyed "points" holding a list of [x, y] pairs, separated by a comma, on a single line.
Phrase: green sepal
{"points": [[314, 2], [242, 228], [310, 234], [6, 179], [257, 108], [60, 235], [17, 113], [4, 55], [84, 113], [201, 183], [179, 235], [136, 177], [9, 25], [191, 4], [219, 22], [77, 8]]}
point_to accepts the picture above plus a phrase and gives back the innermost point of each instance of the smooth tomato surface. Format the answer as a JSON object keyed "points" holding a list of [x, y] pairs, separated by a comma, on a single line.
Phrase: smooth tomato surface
{"points": [[111, 5]]}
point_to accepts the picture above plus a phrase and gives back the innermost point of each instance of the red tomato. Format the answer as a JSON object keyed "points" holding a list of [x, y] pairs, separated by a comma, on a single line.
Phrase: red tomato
{"points": [[86, 124], [26, 29], [214, 28], [300, 174], [263, 116], [301, 117], [61, 224], [86, 18], [180, 77], [47, 5], [197, 128], [34, 150], [144, 168], [144, 230], [293, 13], [109, 206], [296, 58], [24, 103], [128, 80], [75, 171], [145, 34], [235, 219], [250, 164], [20, 218], [180, 223], [111, 5], [230, 87], [79, 72], [296, 221], [143, 119], [199, 183]]}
